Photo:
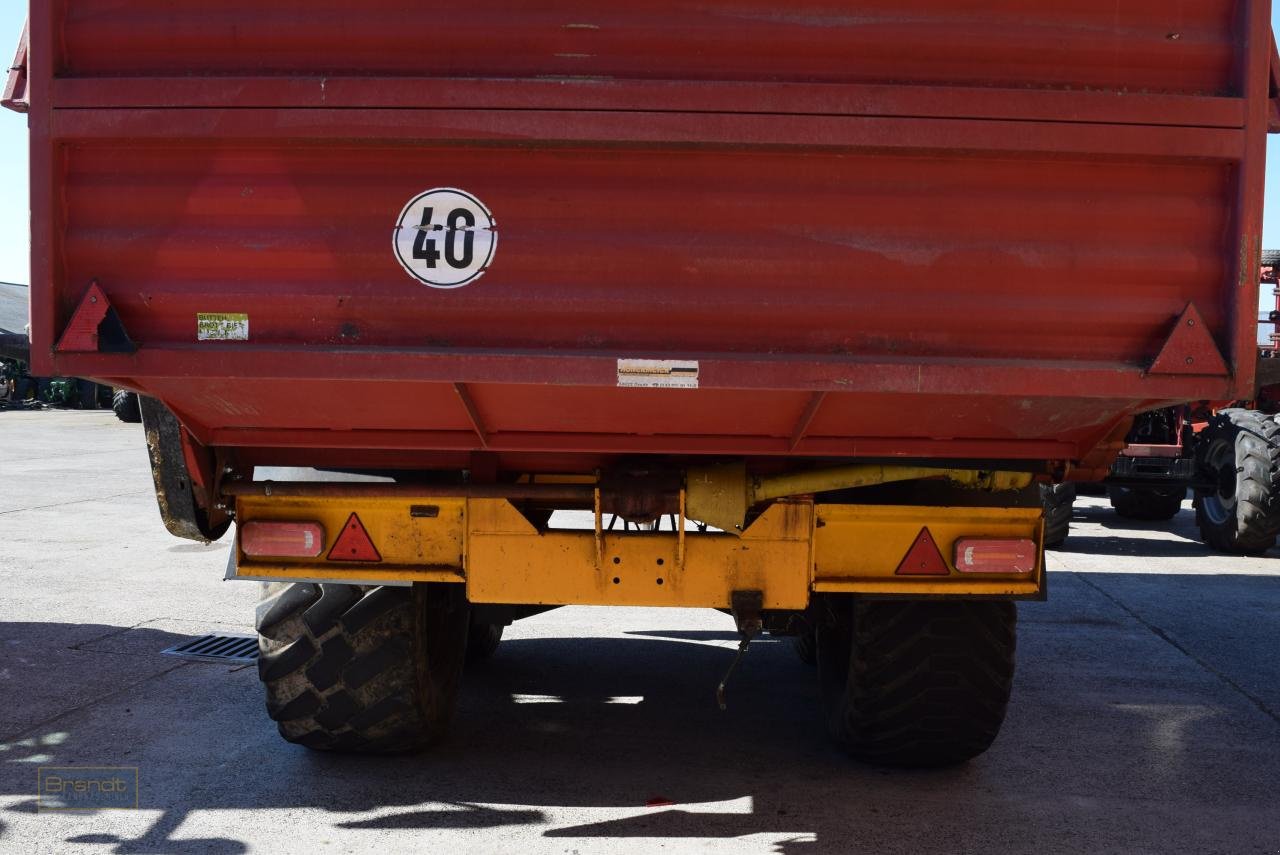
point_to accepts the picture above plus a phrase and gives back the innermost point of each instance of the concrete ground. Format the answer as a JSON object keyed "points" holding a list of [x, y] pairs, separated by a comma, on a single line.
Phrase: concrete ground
{"points": [[1146, 716]]}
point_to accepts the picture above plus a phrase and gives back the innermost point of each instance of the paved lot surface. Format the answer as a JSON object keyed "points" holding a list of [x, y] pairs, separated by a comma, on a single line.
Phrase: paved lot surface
{"points": [[1146, 716]]}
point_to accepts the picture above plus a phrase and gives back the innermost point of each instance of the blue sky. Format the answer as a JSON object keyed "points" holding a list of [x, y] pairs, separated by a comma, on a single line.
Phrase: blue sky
{"points": [[13, 174]]}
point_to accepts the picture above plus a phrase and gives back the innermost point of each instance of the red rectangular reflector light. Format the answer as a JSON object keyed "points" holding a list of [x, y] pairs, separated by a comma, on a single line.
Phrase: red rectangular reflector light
{"points": [[272, 539], [990, 555]]}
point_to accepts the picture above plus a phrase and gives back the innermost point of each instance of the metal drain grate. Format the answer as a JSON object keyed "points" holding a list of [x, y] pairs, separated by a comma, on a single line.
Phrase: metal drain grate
{"points": [[218, 648]]}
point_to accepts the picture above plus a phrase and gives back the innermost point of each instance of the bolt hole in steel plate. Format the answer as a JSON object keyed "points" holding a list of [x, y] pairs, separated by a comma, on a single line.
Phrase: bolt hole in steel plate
{"points": [[217, 648]]}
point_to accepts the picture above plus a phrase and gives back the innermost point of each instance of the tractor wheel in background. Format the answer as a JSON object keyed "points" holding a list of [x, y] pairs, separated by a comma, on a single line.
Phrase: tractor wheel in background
{"points": [[1059, 502], [364, 669], [916, 682], [86, 395], [125, 406], [1240, 452], [1146, 503]]}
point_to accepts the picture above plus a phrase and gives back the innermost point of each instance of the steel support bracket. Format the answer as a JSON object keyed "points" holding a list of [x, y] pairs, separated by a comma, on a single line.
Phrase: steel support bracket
{"points": [[95, 327], [1189, 349], [746, 607]]}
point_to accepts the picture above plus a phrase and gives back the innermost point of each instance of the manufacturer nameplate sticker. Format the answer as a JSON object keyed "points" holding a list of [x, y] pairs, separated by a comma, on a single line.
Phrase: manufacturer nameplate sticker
{"points": [[445, 238], [658, 373], [222, 326]]}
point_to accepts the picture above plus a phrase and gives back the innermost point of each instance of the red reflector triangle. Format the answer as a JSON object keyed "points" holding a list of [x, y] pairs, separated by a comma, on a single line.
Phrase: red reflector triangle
{"points": [[923, 558], [353, 543]]}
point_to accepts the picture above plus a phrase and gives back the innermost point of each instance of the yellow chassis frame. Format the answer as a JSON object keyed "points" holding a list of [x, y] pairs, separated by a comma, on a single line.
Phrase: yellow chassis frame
{"points": [[793, 548]]}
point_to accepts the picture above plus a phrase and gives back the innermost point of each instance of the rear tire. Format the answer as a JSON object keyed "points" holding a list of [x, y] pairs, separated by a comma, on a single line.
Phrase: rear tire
{"points": [[483, 640], [1240, 451], [916, 683], [360, 669], [1059, 503], [125, 406], [805, 644], [1146, 503]]}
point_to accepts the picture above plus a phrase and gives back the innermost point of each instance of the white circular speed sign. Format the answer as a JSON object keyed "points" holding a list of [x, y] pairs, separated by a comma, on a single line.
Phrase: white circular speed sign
{"points": [[445, 238]]}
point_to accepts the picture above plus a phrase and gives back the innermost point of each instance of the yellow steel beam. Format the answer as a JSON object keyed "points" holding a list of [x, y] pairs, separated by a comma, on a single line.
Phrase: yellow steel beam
{"points": [[857, 548], [509, 561], [418, 540], [794, 548], [722, 493]]}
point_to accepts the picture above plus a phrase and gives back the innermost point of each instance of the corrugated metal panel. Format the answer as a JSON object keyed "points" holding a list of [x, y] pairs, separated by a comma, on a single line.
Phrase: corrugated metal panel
{"points": [[1141, 45], [917, 228], [918, 254]]}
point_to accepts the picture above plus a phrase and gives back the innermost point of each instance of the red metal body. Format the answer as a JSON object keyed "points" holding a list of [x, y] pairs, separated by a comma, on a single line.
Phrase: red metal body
{"points": [[903, 229]]}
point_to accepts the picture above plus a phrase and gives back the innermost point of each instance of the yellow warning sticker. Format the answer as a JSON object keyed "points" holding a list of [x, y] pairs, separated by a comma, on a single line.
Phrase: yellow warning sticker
{"points": [[222, 326]]}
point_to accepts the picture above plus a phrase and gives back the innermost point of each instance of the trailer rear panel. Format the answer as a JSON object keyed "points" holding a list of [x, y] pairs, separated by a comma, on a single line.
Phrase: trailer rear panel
{"points": [[901, 229]]}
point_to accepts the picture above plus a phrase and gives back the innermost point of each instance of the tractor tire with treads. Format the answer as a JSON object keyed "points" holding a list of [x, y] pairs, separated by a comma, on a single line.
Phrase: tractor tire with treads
{"points": [[125, 405], [363, 669], [1239, 452], [918, 683], [1059, 502]]}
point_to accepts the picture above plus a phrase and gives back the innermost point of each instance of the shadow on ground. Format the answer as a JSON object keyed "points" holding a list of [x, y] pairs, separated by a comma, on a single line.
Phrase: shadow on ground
{"points": [[566, 725]]}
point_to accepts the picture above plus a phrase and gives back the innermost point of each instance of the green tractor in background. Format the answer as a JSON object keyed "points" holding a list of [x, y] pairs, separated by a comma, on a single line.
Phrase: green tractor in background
{"points": [[19, 389]]}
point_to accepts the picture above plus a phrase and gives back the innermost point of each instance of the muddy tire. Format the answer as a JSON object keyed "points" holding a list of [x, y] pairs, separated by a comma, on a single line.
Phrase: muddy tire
{"points": [[1240, 452], [1146, 503], [1059, 502], [916, 683], [125, 406], [362, 669], [483, 640]]}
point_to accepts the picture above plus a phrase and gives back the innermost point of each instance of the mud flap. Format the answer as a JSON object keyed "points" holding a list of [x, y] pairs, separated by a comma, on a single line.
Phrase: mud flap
{"points": [[175, 488]]}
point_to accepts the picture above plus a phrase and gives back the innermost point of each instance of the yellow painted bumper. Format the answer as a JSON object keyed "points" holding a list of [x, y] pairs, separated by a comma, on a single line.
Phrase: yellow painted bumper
{"points": [[794, 548]]}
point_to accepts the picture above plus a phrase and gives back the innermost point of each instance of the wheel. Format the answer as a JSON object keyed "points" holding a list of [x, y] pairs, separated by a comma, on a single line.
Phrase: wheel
{"points": [[805, 645], [1240, 452], [916, 683], [371, 670], [482, 640], [1146, 503], [86, 395], [125, 406], [1059, 501]]}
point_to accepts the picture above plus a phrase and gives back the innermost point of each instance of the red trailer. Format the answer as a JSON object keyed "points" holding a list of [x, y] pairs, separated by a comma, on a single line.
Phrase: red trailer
{"points": [[842, 282]]}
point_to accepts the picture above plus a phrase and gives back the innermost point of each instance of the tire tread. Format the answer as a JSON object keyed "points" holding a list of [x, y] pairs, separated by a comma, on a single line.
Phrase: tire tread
{"points": [[349, 668], [928, 682]]}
